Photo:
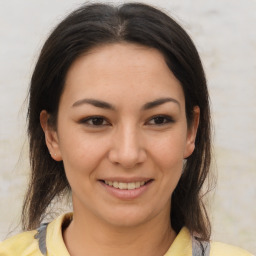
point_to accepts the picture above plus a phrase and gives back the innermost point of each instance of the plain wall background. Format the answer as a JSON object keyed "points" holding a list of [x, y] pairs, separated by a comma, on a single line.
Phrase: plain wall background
{"points": [[225, 35]]}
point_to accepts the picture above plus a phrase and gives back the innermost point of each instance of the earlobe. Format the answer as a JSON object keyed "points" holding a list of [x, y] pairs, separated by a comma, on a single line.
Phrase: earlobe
{"points": [[51, 137], [192, 131]]}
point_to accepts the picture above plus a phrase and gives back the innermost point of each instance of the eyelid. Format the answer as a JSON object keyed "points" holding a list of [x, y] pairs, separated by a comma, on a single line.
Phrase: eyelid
{"points": [[167, 117], [86, 119]]}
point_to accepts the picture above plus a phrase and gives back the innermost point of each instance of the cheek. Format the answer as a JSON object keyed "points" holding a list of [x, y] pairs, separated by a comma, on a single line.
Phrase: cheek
{"points": [[167, 153], [169, 148], [81, 154]]}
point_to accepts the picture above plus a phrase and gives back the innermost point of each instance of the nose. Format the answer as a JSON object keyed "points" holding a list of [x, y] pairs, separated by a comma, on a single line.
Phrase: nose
{"points": [[127, 148]]}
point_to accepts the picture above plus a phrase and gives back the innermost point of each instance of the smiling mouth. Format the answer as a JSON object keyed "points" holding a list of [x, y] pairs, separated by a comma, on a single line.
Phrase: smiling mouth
{"points": [[126, 186]]}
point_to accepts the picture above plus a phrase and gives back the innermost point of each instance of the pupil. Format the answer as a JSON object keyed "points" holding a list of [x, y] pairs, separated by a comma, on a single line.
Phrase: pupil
{"points": [[159, 120], [97, 121]]}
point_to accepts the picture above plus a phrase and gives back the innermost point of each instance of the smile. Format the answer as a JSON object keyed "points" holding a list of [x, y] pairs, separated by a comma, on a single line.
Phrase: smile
{"points": [[123, 185], [126, 189]]}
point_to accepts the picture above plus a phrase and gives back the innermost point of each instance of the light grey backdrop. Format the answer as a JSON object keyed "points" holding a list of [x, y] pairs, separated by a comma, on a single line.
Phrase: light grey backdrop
{"points": [[225, 35]]}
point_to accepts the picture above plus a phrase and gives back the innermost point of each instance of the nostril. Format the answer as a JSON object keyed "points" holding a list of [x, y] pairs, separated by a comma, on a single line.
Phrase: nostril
{"points": [[127, 156]]}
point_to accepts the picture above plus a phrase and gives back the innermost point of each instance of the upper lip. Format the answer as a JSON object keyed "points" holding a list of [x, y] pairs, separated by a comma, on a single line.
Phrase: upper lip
{"points": [[125, 179]]}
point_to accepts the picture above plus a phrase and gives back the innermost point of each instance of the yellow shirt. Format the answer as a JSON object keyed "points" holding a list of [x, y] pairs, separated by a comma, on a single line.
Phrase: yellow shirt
{"points": [[25, 244]]}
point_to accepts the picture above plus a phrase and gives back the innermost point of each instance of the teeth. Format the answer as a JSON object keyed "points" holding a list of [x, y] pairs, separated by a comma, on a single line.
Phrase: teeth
{"points": [[123, 185], [131, 185], [137, 184], [115, 184]]}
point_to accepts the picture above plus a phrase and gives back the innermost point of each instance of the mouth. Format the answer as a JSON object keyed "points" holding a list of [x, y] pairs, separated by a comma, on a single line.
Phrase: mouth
{"points": [[126, 185]]}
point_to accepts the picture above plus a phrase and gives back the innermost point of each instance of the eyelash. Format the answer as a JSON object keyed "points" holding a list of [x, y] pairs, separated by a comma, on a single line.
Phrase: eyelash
{"points": [[91, 118], [167, 120]]}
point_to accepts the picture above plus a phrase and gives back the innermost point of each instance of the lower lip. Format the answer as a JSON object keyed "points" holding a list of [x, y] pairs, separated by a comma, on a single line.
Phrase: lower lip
{"points": [[126, 194]]}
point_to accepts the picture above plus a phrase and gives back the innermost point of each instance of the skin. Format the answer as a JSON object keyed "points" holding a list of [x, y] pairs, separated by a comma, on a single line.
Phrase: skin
{"points": [[129, 142]]}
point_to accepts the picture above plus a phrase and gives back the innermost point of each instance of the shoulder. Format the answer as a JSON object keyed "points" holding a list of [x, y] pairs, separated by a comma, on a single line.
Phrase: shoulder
{"points": [[20, 245], [223, 249], [25, 244]]}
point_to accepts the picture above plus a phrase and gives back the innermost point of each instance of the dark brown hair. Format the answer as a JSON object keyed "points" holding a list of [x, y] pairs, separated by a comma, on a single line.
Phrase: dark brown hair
{"points": [[93, 25]]}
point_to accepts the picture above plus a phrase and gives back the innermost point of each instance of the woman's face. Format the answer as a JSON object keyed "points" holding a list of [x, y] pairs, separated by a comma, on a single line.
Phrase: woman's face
{"points": [[122, 134]]}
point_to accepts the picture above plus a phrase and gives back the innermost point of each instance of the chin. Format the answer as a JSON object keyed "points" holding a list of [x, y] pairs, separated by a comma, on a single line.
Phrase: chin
{"points": [[128, 218]]}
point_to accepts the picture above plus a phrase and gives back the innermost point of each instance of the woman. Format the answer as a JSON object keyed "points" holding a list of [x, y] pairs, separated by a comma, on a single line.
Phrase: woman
{"points": [[118, 116]]}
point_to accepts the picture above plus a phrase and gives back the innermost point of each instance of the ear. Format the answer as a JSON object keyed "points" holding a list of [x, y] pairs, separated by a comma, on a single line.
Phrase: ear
{"points": [[51, 136], [191, 133]]}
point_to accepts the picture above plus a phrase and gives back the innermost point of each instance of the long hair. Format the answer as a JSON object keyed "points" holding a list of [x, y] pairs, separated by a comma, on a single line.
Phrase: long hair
{"points": [[98, 24]]}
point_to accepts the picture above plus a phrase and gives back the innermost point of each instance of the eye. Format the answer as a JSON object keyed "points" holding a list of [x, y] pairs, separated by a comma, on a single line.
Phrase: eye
{"points": [[95, 121], [160, 120]]}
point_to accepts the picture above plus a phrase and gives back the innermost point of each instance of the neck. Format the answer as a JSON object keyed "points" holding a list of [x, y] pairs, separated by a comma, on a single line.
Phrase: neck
{"points": [[87, 235]]}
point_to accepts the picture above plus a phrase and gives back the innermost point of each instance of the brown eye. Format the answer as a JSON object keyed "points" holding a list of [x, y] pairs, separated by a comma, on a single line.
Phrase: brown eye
{"points": [[95, 121], [160, 120]]}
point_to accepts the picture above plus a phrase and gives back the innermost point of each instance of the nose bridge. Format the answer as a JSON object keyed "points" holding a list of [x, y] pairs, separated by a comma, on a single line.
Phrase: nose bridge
{"points": [[129, 140], [127, 147]]}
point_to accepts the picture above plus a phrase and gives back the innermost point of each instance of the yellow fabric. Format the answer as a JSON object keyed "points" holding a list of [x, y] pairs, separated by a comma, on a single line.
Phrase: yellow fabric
{"points": [[25, 244]]}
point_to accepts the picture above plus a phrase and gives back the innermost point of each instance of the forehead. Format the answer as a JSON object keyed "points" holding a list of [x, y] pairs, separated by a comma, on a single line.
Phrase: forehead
{"points": [[122, 70]]}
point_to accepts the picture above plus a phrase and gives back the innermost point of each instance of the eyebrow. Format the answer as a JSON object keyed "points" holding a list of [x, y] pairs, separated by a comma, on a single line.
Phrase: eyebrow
{"points": [[158, 102], [94, 102], [106, 105]]}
